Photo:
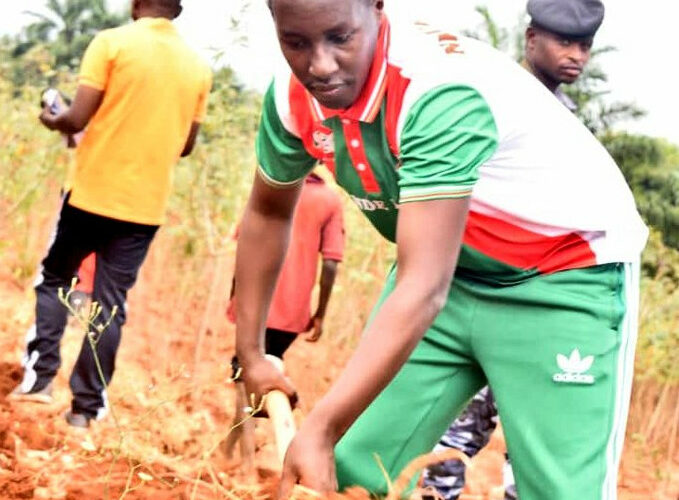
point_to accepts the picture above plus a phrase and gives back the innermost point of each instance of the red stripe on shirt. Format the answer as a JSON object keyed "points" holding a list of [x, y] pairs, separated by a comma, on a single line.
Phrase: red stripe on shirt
{"points": [[355, 147], [526, 249]]}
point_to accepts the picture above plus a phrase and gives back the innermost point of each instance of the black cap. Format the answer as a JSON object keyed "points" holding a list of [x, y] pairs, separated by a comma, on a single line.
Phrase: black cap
{"points": [[570, 18]]}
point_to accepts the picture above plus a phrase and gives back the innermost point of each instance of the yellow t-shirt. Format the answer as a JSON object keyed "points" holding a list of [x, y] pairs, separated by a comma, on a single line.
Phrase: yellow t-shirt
{"points": [[154, 87]]}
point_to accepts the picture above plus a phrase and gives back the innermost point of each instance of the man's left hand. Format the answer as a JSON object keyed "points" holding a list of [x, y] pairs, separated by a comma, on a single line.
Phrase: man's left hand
{"points": [[309, 461], [47, 118], [315, 329]]}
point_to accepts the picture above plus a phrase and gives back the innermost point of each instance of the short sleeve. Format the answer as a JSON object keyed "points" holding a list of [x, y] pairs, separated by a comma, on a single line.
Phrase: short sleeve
{"points": [[447, 135], [283, 161], [97, 62], [332, 236], [201, 107]]}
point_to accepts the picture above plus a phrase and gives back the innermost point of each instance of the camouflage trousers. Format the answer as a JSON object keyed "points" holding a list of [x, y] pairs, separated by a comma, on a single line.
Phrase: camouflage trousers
{"points": [[469, 433]]}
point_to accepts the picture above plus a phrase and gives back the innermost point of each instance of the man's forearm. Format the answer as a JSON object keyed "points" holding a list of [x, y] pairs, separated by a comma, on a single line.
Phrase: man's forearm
{"points": [[85, 104], [67, 124], [426, 265], [262, 243], [385, 346], [328, 274]]}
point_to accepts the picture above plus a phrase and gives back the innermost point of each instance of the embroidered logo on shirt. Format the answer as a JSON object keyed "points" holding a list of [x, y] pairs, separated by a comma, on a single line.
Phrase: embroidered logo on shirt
{"points": [[323, 141], [574, 368]]}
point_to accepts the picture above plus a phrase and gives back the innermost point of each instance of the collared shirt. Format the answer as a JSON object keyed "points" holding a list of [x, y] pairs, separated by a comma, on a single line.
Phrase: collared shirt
{"points": [[558, 92], [455, 118], [154, 87], [565, 100]]}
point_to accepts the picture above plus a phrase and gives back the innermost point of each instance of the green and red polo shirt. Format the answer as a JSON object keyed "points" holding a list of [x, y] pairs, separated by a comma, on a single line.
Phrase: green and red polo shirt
{"points": [[443, 116]]}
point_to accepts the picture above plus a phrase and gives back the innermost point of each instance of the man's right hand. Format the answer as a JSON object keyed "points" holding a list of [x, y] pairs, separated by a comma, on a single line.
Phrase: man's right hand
{"points": [[262, 376], [47, 118], [315, 329]]}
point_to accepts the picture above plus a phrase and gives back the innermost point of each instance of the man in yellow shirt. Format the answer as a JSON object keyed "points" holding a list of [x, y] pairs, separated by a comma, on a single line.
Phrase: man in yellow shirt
{"points": [[142, 94]]}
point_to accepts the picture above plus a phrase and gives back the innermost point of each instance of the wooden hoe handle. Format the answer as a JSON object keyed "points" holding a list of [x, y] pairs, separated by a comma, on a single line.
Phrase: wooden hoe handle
{"points": [[277, 406]]}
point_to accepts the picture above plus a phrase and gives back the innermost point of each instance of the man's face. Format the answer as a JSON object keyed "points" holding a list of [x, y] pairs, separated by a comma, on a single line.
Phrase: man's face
{"points": [[329, 45], [555, 57]]}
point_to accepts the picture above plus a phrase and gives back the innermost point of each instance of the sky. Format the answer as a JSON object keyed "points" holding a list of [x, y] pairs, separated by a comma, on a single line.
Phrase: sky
{"points": [[640, 71]]}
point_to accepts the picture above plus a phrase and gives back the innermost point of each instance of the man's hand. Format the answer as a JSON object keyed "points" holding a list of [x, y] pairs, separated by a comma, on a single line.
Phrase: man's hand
{"points": [[310, 461], [47, 118], [315, 329], [262, 376], [74, 119]]}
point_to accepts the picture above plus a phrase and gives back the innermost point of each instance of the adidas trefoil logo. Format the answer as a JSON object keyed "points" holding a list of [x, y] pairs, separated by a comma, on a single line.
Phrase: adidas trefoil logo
{"points": [[574, 368]]}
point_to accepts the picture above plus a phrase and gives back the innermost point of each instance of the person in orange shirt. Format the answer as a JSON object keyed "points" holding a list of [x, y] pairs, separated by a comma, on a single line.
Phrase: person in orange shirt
{"points": [[142, 94], [318, 226]]}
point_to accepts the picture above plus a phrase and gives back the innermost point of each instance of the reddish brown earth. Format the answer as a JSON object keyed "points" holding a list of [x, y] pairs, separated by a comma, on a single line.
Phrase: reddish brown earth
{"points": [[172, 416]]}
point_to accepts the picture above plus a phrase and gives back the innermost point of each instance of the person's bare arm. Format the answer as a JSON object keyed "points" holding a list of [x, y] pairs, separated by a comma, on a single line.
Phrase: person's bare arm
{"points": [[85, 104], [262, 243], [191, 140], [328, 274], [427, 256]]}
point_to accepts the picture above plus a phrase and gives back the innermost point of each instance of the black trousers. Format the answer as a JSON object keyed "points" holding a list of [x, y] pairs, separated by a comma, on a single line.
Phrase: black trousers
{"points": [[120, 248]]}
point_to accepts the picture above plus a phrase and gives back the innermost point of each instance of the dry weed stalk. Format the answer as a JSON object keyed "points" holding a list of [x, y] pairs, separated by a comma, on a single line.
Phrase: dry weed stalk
{"points": [[206, 466], [88, 319]]}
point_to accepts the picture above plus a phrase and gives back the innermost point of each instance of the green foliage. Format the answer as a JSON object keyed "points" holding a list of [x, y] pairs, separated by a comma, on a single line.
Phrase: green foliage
{"points": [[651, 167], [510, 40], [29, 154], [213, 183], [590, 92], [658, 346], [65, 29]]}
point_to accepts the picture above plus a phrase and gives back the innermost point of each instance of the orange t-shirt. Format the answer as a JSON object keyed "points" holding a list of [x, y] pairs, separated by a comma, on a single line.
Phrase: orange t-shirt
{"points": [[318, 226], [154, 87]]}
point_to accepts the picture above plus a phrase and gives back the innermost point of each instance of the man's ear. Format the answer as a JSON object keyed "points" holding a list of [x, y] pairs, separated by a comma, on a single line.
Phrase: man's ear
{"points": [[530, 36]]}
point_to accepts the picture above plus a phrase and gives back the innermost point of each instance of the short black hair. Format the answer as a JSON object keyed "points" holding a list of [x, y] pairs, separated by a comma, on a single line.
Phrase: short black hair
{"points": [[169, 4], [269, 3], [166, 5]]}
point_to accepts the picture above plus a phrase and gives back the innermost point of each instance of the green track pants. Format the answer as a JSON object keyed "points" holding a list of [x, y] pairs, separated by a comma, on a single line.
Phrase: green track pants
{"points": [[558, 353]]}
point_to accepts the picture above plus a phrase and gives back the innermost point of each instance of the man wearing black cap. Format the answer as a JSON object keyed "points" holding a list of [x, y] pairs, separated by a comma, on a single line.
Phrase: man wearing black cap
{"points": [[559, 39], [558, 43]]}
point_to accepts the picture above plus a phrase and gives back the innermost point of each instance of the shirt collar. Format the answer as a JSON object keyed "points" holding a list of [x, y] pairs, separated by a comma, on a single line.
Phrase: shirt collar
{"points": [[367, 106], [565, 100]]}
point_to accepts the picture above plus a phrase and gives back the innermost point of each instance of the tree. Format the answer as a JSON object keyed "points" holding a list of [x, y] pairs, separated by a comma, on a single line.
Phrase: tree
{"points": [[651, 167], [66, 28], [590, 91], [504, 39]]}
